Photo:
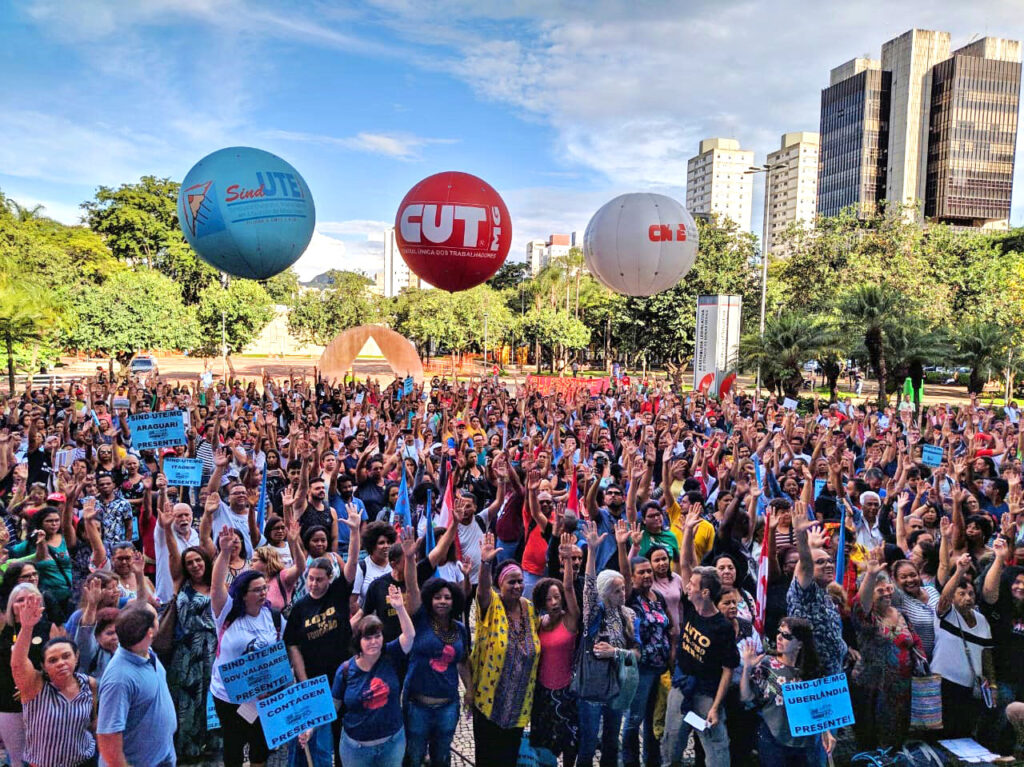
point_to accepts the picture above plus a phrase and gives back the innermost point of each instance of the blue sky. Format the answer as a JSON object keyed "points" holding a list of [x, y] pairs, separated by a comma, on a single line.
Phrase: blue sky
{"points": [[559, 105]]}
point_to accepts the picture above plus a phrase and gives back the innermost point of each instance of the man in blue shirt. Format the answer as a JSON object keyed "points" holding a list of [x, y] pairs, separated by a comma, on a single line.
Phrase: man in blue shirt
{"points": [[136, 715]]}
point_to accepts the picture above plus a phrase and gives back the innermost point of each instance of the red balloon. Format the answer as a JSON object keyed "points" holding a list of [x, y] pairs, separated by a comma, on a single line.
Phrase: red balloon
{"points": [[453, 230]]}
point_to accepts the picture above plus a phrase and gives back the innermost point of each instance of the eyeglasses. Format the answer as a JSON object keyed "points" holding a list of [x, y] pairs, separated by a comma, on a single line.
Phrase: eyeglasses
{"points": [[786, 635], [259, 590], [29, 577], [823, 561]]}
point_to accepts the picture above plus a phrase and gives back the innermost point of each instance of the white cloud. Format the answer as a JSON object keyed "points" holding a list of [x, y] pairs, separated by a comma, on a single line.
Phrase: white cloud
{"points": [[399, 146], [326, 253]]}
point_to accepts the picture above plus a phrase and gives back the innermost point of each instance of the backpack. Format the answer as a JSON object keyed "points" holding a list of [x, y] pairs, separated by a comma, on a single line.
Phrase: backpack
{"points": [[919, 754]]}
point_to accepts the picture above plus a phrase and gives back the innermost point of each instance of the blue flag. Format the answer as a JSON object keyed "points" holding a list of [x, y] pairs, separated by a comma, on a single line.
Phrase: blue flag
{"points": [[762, 502], [261, 505], [841, 550], [429, 543], [402, 515]]}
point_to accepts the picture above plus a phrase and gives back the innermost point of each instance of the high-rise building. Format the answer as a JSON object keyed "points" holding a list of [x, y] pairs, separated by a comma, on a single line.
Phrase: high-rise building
{"points": [[396, 275], [910, 58], [973, 135], [945, 135], [792, 188], [717, 181], [540, 252], [854, 138]]}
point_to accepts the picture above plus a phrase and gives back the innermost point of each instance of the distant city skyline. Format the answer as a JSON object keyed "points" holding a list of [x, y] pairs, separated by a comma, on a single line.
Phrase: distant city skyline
{"points": [[558, 109]]}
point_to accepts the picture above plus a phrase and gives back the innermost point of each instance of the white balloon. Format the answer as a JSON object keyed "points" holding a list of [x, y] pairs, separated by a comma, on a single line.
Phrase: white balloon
{"points": [[640, 244]]}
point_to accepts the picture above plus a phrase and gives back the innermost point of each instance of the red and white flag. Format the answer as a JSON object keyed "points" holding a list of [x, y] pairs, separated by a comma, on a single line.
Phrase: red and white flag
{"points": [[573, 503], [761, 598], [448, 502]]}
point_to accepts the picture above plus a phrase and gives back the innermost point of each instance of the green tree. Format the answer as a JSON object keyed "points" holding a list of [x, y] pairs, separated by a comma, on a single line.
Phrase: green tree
{"points": [[558, 332], [510, 275], [26, 314], [283, 288], [132, 311], [140, 224], [984, 347], [869, 310], [790, 339], [317, 316], [242, 308]]}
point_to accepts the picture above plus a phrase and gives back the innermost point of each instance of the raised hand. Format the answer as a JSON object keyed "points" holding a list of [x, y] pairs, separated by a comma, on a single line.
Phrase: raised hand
{"points": [[408, 538], [31, 612], [1002, 550], [592, 536], [395, 598], [166, 515], [749, 654], [354, 518], [227, 541], [488, 550], [566, 544], [621, 531]]}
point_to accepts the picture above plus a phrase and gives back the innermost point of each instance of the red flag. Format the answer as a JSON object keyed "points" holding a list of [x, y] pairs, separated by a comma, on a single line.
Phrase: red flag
{"points": [[761, 599], [447, 516]]}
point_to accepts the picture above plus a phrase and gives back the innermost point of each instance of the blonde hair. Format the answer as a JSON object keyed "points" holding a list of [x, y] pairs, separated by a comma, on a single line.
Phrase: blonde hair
{"points": [[16, 592], [272, 558]]}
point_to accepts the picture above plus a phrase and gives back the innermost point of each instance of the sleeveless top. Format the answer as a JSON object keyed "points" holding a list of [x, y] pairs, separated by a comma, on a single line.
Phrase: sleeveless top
{"points": [[57, 729], [556, 655]]}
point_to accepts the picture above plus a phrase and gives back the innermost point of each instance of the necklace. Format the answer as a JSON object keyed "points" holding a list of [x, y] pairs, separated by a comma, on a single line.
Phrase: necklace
{"points": [[446, 635]]}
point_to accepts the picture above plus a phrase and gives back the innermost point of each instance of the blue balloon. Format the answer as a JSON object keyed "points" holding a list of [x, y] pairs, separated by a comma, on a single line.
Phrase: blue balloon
{"points": [[246, 212]]}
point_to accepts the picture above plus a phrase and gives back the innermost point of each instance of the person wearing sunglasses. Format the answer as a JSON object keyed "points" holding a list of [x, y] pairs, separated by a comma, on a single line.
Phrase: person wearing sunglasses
{"points": [[796, 660]]}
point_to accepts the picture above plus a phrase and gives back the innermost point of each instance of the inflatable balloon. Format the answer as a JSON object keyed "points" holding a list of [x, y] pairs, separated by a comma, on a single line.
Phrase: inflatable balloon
{"points": [[640, 244], [246, 212], [453, 230]]}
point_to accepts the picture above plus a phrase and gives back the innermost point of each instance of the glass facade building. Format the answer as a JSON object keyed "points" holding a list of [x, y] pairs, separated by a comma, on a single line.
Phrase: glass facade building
{"points": [[854, 143], [972, 137]]}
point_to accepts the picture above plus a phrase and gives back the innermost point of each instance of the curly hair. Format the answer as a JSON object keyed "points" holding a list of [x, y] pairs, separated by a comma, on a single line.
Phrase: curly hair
{"points": [[430, 589]]}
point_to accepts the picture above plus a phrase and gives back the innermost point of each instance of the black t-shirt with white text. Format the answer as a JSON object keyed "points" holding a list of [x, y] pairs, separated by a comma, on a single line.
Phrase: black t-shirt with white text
{"points": [[706, 646], [321, 630]]}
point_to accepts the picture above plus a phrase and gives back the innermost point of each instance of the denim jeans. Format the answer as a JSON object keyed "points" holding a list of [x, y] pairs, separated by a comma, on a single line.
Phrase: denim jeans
{"points": [[529, 581], [386, 754], [641, 713], [771, 753], [321, 748], [677, 732], [430, 728], [592, 713]]}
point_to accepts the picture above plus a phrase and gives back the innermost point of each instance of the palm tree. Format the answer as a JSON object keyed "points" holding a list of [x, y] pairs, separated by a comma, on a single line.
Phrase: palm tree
{"points": [[869, 311], [790, 339], [910, 345], [983, 346], [26, 313]]}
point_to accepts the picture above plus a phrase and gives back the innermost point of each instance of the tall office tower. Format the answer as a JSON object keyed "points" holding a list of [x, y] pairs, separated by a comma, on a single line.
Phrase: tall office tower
{"points": [[910, 58], [973, 135], [792, 190], [717, 182], [854, 138], [539, 253]]}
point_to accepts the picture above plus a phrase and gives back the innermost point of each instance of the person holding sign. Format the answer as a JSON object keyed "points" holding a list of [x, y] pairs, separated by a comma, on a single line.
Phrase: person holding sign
{"points": [[796, 660], [244, 623], [368, 693]]}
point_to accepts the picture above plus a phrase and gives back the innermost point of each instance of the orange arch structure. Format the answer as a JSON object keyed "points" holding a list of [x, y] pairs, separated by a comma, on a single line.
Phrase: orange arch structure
{"points": [[399, 352]]}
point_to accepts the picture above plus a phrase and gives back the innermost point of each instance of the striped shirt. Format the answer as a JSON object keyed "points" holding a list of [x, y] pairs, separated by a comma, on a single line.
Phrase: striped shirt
{"points": [[920, 616], [57, 729]]}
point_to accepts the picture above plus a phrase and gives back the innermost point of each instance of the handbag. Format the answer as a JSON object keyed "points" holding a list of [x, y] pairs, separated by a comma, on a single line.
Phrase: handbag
{"points": [[164, 639], [925, 696], [595, 679]]}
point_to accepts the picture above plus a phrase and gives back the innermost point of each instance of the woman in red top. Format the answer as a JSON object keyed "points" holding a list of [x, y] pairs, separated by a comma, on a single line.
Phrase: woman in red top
{"points": [[554, 721]]}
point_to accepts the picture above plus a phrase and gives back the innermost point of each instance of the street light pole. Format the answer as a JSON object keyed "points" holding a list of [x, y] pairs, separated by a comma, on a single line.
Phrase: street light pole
{"points": [[767, 171], [485, 342]]}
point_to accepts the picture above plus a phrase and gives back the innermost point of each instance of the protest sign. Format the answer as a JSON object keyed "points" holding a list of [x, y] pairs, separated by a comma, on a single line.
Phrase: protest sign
{"points": [[819, 485], [164, 429], [817, 705], [257, 673], [122, 403], [408, 384], [184, 471], [212, 720], [931, 455], [303, 706], [789, 404]]}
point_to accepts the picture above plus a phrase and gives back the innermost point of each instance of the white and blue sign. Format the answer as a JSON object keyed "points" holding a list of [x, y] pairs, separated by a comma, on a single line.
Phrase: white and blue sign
{"points": [[408, 386], [157, 429], [184, 471], [212, 720], [817, 705], [819, 485], [246, 212], [295, 709], [258, 673], [931, 455]]}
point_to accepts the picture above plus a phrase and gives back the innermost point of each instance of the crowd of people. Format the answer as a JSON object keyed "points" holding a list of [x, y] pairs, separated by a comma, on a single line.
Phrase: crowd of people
{"points": [[583, 575]]}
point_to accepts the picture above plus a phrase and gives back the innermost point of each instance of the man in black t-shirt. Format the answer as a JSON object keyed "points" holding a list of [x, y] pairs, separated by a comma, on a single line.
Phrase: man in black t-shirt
{"points": [[705, 659], [319, 631], [403, 568]]}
